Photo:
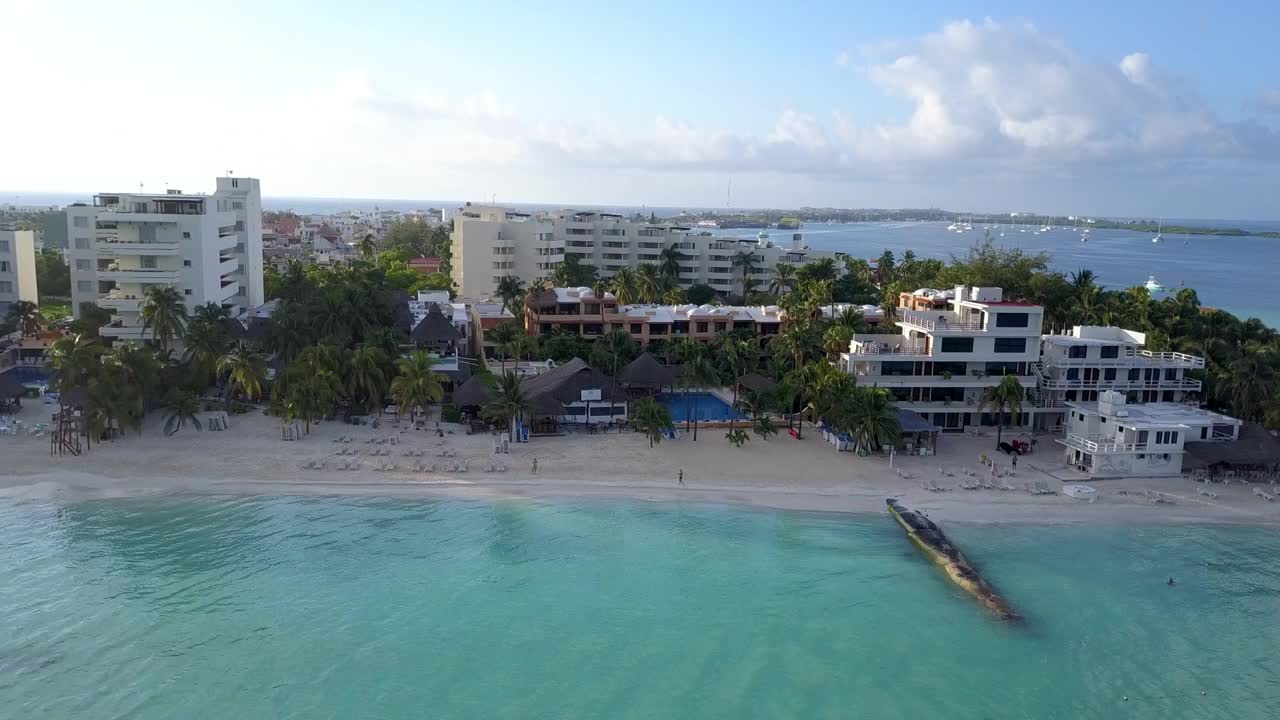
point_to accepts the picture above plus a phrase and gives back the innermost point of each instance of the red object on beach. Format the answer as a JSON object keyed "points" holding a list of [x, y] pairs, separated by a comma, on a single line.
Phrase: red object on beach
{"points": [[793, 432]]}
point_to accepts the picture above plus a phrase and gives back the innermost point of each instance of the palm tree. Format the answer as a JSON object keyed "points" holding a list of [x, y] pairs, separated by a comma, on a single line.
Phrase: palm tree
{"points": [[651, 418], [312, 395], [502, 336], [366, 246], [868, 416], [211, 312], [26, 316], [417, 385], [183, 407], [698, 372], [511, 290], [245, 371], [738, 355], [206, 344], [615, 348], [1004, 398], [1251, 381], [624, 286], [837, 338], [669, 260], [508, 404], [523, 345], [747, 261], [784, 278], [599, 288], [73, 358], [165, 314], [366, 379], [648, 282]]}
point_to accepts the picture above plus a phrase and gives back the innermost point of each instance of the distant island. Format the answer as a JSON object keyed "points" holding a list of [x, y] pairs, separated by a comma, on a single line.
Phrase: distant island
{"points": [[791, 219]]}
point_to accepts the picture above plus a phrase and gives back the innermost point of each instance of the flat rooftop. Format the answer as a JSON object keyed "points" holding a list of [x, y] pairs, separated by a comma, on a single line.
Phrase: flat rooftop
{"points": [[1162, 415]]}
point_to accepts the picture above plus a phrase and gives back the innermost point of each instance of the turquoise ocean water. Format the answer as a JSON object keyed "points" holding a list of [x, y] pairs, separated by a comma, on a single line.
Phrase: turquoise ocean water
{"points": [[261, 607]]}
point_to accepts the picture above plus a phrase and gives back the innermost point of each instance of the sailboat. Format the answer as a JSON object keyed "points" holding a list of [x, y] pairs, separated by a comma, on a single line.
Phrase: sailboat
{"points": [[1159, 229]]}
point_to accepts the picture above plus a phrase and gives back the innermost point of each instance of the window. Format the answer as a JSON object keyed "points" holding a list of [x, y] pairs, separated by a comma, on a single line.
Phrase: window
{"points": [[186, 235], [1011, 345], [82, 243], [4, 266], [1111, 352], [1134, 374], [702, 326], [1170, 373], [84, 286], [186, 263], [148, 262], [1077, 351], [6, 286], [1012, 319], [4, 246], [235, 182], [186, 291], [1167, 396], [237, 205], [636, 328], [1143, 435], [956, 345], [1204, 433], [1108, 373], [80, 221], [83, 265]]}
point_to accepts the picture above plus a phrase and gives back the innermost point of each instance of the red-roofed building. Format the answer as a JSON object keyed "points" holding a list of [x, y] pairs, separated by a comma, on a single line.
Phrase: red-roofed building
{"points": [[426, 265]]}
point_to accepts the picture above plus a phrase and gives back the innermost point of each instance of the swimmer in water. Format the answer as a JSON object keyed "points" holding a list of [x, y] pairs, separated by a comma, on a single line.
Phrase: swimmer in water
{"points": [[1171, 583]]}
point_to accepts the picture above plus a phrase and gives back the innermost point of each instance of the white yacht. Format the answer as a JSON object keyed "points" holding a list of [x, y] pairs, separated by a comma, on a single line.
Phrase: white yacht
{"points": [[1152, 286], [762, 235]]}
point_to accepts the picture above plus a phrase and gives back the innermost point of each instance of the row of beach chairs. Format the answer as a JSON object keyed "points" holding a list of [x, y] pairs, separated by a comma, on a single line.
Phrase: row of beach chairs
{"points": [[1039, 488]]}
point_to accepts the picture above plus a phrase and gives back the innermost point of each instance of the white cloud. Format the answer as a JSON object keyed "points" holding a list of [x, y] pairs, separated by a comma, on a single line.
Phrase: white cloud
{"points": [[842, 59]]}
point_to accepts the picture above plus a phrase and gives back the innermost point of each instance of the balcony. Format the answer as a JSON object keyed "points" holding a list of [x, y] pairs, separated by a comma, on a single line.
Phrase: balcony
{"points": [[113, 247], [892, 345], [139, 275], [1131, 357], [942, 321], [228, 266], [121, 331], [120, 302]]}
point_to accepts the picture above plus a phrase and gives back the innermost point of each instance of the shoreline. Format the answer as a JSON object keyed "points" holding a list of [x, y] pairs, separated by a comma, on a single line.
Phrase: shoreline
{"points": [[777, 474]]}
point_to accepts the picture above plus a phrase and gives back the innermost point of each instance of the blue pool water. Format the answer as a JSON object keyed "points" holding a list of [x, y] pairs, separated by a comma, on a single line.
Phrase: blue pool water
{"points": [[353, 608], [706, 406]]}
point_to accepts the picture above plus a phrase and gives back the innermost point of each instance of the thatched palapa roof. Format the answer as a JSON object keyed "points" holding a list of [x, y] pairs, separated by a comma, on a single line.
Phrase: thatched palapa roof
{"points": [[473, 392], [549, 392], [434, 329], [647, 372], [1256, 446], [756, 382]]}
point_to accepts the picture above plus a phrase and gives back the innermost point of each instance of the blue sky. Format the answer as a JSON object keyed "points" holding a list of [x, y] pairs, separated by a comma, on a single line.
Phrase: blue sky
{"points": [[1088, 107]]}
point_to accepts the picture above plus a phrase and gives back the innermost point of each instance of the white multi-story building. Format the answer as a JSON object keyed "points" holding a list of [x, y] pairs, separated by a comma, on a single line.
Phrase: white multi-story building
{"points": [[1090, 360], [1111, 438], [945, 359], [209, 247], [489, 243], [17, 269]]}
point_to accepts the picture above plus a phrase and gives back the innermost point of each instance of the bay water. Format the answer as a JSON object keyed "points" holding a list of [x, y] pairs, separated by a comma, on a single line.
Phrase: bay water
{"points": [[358, 607]]}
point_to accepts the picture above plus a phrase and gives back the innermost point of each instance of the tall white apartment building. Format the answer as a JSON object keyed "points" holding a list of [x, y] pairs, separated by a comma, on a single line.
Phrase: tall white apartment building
{"points": [[207, 246], [953, 347], [17, 269], [1090, 360], [489, 243]]}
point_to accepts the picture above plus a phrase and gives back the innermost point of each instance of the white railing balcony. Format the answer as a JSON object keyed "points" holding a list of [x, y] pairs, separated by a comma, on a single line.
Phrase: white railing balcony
{"points": [[139, 275], [115, 246], [1120, 384], [1131, 357], [1107, 445], [886, 345], [937, 320], [120, 301]]}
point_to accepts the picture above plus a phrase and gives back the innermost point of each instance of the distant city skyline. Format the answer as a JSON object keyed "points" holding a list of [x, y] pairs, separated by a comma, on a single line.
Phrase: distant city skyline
{"points": [[1141, 110]]}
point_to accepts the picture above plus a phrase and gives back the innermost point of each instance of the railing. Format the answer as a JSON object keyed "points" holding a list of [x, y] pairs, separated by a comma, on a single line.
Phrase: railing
{"points": [[940, 321], [1129, 357], [1092, 445], [891, 345], [1120, 384]]}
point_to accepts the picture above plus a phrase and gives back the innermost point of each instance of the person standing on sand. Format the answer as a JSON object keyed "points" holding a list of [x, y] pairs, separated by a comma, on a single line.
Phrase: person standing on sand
{"points": [[680, 477], [1015, 461], [535, 466]]}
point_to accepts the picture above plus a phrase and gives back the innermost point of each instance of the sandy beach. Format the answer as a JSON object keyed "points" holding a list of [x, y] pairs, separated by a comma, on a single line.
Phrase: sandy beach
{"points": [[807, 474]]}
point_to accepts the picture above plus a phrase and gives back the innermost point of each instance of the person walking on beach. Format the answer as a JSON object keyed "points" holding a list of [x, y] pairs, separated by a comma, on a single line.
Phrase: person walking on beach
{"points": [[535, 466], [680, 477], [1015, 461]]}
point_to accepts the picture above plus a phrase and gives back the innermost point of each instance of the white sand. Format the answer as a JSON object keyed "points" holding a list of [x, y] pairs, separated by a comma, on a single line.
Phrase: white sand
{"points": [[779, 473]]}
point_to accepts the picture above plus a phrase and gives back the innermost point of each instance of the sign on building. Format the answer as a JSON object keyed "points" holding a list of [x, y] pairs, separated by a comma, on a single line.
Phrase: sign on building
{"points": [[591, 395]]}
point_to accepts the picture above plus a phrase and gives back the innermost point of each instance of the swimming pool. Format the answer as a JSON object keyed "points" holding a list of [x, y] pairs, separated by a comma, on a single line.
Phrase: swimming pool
{"points": [[707, 406]]}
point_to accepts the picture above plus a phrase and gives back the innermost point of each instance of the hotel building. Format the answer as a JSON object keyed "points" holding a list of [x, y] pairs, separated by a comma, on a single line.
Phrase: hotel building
{"points": [[1090, 360], [489, 243], [209, 247], [579, 312], [17, 269], [1111, 438], [954, 346]]}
